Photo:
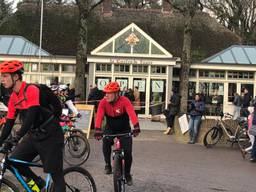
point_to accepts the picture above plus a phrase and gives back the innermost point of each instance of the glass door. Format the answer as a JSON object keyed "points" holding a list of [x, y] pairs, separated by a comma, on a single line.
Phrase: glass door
{"points": [[157, 96], [139, 91]]}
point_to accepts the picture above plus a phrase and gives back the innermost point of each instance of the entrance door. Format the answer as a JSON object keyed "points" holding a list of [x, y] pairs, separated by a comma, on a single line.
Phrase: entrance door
{"points": [[123, 82], [157, 96], [139, 87]]}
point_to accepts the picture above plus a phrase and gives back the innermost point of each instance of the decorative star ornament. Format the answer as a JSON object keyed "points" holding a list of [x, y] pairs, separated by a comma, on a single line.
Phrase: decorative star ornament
{"points": [[132, 39]]}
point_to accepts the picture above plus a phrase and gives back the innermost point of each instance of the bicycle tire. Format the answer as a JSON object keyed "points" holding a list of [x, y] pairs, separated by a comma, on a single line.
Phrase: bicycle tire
{"points": [[77, 131], [8, 186], [70, 187], [77, 150], [214, 134], [243, 140], [119, 183]]}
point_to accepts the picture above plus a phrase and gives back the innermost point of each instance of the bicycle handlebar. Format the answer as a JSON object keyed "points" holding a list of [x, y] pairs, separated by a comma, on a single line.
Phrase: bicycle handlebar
{"points": [[118, 135]]}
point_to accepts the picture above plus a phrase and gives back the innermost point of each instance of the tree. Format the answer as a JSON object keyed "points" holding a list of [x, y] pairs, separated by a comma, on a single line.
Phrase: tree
{"points": [[238, 16], [5, 11], [188, 8], [137, 4], [84, 8]]}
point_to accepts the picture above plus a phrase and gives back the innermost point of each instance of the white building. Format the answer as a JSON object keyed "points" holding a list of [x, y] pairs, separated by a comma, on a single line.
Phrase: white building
{"points": [[133, 58]]}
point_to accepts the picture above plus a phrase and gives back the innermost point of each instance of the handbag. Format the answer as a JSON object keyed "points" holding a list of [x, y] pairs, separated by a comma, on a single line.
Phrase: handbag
{"points": [[252, 130]]}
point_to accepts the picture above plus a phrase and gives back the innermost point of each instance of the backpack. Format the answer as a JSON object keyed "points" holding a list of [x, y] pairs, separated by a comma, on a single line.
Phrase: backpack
{"points": [[48, 100]]}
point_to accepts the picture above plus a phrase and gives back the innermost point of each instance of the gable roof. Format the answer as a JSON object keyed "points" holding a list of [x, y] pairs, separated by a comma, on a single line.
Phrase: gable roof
{"points": [[131, 41], [18, 45], [236, 54]]}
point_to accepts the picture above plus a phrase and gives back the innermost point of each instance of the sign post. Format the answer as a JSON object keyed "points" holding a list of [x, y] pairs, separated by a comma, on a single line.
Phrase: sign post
{"points": [[85, 121]]}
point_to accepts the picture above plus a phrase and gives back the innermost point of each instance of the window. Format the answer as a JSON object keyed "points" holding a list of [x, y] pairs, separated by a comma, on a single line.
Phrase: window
{"points": [[176, 72], [232, 89], [240, 75], [249, 87], [69, 68], [192, 73], [212, 94], [122, 68], [48, 67], [26, 67], [158, 69], [191, 90], [211, 74], [139, 69], [66, 80], [103, 67], [34, 67]]}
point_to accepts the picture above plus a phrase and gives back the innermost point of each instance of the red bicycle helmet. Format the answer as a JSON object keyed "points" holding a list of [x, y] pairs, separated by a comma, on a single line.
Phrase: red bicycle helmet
{"points": [[112, 87], [11, 66]]}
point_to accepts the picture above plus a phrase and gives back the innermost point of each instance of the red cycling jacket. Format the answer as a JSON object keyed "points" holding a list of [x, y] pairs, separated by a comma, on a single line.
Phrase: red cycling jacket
{"points": [[117, 114], [17, 101]]}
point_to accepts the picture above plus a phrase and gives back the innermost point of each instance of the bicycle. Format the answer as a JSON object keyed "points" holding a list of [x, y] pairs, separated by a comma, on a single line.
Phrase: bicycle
{"points": [[71, 175], [77, 147], [221, 128], [119, 179]]}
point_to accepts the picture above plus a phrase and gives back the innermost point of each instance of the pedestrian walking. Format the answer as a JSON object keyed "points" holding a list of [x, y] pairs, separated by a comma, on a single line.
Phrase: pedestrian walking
{"points": [[237, 105], [137, 104]]}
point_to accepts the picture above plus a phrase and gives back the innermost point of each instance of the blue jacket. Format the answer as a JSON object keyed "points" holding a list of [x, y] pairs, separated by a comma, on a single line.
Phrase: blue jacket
{"points": [[197, 108]]}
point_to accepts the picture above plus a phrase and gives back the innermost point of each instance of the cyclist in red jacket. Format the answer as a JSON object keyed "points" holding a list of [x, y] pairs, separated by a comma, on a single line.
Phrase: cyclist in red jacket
{"points": [[118, 110], [32, 138]]}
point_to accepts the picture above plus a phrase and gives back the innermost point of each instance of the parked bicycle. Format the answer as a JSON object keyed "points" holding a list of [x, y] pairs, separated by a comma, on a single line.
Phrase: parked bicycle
{"points": [[118, 162], [77, 147], [222, 129], [77, 179]]}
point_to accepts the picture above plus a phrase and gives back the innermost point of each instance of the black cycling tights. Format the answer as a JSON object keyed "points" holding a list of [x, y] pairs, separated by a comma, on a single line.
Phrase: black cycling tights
{"points": [[59, 182]]}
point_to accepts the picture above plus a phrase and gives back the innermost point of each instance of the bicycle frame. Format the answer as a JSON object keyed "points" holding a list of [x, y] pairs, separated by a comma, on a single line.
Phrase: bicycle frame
{"points": [[223, 125], [6, 164], [120, 152]]}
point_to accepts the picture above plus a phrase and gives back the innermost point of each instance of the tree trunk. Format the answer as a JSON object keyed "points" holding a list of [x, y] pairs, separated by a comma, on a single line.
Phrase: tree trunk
{"points": [[185, 64], [81, 56]]}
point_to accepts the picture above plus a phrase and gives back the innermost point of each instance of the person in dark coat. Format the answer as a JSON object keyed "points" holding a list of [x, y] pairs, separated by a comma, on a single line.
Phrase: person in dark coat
{"points": [[4, 95], [95, 96], [172, 111], [245, 102], [129, 95]]}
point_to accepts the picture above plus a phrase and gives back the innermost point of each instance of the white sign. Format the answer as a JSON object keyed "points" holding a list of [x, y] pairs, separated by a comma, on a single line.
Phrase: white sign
{"points": [[34, 67], [101, 83], [157, 86], [141, 84], [183, 121], [123, 83]]}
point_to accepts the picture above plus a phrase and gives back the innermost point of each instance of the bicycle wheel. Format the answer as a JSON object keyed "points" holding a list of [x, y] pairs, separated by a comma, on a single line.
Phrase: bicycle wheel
{"points": [[78, 179], [212, 137], [243, 140], [119, 183], [77, 132], [8, 186], [77, 150]]}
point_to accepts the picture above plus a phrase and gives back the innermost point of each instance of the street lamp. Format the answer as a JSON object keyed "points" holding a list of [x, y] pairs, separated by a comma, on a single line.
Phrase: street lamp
{"points": [[40, 41]]}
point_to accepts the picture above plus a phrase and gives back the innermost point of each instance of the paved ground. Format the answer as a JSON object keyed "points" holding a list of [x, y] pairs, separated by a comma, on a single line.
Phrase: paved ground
{"points": [[160, 164]]}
